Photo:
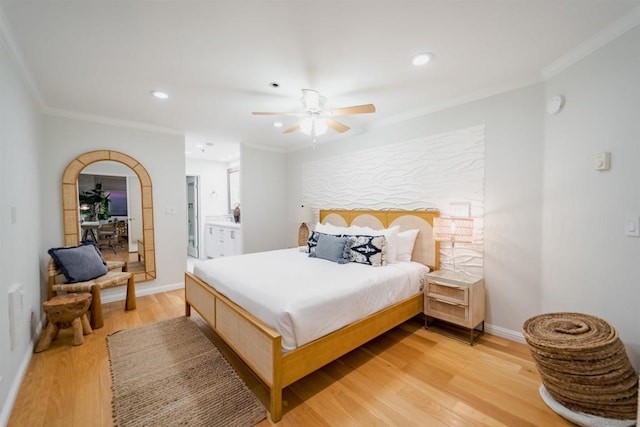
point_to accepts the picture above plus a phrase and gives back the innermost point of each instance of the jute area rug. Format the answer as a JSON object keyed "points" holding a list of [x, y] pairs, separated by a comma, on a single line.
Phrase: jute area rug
{"points": [[168, 374]]}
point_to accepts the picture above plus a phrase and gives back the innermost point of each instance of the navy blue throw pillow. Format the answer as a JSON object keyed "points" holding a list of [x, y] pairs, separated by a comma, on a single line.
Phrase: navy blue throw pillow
{"points": [[79, 263]]}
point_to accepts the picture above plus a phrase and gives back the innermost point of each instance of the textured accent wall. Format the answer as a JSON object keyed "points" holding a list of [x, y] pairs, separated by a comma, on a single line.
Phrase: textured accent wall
{"points": [[424, 173]]}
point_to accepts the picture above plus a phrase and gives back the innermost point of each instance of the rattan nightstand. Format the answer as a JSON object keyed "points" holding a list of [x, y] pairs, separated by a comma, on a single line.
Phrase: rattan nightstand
{"points": [[455, 298]]}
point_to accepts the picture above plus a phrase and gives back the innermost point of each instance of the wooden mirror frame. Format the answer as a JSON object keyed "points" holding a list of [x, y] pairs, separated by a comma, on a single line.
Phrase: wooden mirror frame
{"points": [[70, 207]]}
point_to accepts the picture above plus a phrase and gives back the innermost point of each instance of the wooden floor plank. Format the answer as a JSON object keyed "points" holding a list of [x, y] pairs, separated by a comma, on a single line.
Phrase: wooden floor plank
{"points": [[408, 376]]}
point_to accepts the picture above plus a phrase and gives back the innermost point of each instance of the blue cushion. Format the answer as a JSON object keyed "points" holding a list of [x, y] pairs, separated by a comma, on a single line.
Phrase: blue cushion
{"points": [[312, 241], [79, 263], [332, 248]]}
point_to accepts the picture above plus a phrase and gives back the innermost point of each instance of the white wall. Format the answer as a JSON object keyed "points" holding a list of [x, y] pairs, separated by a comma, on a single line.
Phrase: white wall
{"points": [[589, 265], [422, 173], [554, 227], [163, 157], [513, 206], [263, 200], [20, 248], [213, 192]]}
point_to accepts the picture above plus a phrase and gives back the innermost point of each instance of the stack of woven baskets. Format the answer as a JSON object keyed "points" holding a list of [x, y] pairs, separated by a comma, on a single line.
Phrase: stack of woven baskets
{"points": [[583, 364]]}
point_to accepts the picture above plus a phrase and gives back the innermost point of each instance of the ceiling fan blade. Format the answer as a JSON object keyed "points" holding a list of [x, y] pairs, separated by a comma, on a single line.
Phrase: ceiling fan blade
{"points": [[292, 128], [269, 113], [356, 109], [338, 127]]}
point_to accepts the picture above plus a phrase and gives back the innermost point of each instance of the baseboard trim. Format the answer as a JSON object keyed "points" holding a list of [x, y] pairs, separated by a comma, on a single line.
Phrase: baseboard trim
{"points": [[7, 405], [504, 333], [121, 295]]}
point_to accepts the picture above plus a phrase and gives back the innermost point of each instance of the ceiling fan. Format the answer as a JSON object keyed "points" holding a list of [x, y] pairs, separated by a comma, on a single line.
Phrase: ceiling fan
{"points": [[316, 119]]}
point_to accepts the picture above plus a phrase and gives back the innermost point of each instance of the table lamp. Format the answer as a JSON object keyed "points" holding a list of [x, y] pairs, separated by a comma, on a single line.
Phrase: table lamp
{"points": [[453, 230], [304, 215]]}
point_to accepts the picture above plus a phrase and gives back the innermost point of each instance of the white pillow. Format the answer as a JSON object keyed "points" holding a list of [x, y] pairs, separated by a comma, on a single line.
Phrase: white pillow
{"points": [[392, 243], [406, 241], [330, 229]]}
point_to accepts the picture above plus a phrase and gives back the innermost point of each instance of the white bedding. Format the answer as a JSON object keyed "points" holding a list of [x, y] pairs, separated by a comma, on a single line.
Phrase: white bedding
{"points": [[306, 298]]}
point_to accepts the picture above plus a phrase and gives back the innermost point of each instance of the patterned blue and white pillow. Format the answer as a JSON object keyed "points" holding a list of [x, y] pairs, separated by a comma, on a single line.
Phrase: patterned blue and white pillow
{"points": [[368, 250], [312, 241]]}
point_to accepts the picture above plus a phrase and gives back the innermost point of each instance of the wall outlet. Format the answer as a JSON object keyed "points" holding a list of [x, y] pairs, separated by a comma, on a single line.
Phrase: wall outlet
{"points": [[16, 310]]}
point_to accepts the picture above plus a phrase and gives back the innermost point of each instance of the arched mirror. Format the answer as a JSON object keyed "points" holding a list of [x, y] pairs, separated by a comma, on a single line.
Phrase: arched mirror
{"points": [[79, 220]]}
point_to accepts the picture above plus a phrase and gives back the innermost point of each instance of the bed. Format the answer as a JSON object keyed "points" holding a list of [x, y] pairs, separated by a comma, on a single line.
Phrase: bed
{"points": [[279, 358]]}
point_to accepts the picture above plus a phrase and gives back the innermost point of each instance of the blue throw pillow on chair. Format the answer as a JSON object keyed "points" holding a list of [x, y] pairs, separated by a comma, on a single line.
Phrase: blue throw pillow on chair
{"points": [[79, 263]]}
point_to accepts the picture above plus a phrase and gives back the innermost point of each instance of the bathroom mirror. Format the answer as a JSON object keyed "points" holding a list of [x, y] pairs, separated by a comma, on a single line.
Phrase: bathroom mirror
{"points": [[71, 209]]}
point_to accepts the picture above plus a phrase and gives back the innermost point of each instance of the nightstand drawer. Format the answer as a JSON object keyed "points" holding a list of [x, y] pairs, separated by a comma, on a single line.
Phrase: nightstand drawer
{"points": [[448, 292], [451, 312]]}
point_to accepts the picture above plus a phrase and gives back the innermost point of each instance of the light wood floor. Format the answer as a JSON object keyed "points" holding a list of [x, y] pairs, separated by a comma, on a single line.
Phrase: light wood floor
{"points": [[408, 376], [122, 254]]}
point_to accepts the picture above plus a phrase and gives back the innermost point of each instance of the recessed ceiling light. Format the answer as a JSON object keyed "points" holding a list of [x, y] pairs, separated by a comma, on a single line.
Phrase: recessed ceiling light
{"points": [[422, 58], [187, 152], [277, 124], [159, 94], [200, 145]]}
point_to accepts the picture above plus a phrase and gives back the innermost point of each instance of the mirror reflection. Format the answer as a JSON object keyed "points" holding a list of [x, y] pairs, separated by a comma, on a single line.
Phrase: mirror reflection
{"points": [[126, 233], [111, 212]]}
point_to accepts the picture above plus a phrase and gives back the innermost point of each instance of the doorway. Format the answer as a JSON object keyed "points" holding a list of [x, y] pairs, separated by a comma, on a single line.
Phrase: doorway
{"points": [[134, 206], [193, 228]]}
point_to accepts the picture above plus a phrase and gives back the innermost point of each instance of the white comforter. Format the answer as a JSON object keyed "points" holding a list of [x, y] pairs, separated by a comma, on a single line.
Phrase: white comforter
{"points": [[306, 298]]}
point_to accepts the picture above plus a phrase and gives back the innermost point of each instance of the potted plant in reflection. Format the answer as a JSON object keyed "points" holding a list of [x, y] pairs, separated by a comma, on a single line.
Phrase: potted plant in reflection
{"points": [[94, 204]]}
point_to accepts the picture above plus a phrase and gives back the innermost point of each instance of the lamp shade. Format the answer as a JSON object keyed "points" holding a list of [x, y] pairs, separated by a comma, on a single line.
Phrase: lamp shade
{"points": [[453, 229], [304, 214]]}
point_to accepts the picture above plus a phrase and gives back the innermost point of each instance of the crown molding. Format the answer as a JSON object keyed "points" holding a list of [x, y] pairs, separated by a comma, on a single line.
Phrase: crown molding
{"points": [[460, 100], [15, 54], [593, 43], [57, 112]]}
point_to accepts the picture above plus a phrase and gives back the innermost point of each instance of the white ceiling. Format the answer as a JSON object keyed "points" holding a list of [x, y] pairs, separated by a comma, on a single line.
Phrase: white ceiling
{"points": [[216, 58]]}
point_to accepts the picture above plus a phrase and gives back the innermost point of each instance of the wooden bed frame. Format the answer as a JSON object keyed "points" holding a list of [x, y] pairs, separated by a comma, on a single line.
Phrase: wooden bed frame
{"points": [[260, 346]]}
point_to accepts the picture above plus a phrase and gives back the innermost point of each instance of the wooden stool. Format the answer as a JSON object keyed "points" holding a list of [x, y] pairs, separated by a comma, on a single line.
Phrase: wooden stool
{"points": [[64, 311]]}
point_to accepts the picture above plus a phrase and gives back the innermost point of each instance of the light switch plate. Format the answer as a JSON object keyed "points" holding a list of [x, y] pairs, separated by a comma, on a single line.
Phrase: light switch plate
{"points": [[632, 226], [602, 161]]}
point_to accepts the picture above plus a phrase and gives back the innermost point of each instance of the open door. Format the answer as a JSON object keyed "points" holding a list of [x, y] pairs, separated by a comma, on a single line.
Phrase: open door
{"points": [[193, 230], [134, 208]]}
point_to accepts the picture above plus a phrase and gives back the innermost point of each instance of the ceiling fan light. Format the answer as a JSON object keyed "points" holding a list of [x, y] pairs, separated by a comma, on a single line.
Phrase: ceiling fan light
{"points": [[306, 126], [421, 58], [313, 126], [320, 126]]}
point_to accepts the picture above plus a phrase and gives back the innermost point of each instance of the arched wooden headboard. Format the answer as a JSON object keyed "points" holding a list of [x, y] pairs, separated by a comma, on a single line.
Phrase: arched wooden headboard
{"points": [[425, 251]]}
